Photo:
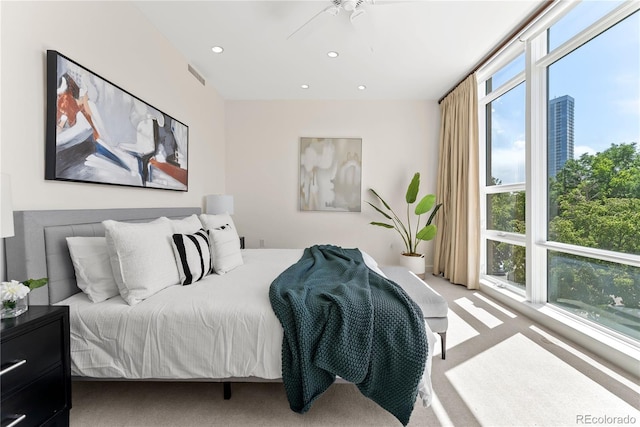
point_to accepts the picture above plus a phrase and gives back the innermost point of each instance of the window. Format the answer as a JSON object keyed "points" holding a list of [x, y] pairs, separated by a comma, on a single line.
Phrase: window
{"points": [[506, 264], [504, 200], [578, 18], [506, 73], [583, 152], [506, 212], [505, 144], [593, 195], [596, 290]]}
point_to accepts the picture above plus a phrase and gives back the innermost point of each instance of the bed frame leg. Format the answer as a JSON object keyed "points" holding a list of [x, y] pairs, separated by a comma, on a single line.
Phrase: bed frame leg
{"points": [[443, 341], [226, 387]]}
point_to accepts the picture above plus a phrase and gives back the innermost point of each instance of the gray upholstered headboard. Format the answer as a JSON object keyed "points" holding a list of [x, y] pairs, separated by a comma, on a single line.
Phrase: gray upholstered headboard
{"points": [[39, 247]]}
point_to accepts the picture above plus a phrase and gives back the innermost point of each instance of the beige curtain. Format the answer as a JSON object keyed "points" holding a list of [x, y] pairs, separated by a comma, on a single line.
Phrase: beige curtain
{"points": [[457, 244]]}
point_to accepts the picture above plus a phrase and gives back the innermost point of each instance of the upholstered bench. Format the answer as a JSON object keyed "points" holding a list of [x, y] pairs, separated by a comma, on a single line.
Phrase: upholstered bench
{"points": [[434, 307]]}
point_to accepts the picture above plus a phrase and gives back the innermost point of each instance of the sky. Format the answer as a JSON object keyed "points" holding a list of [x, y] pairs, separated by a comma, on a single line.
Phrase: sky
{"points": [[603, 77]]}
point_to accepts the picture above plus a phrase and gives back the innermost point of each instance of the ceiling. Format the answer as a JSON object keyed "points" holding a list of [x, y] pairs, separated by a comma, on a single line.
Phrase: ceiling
{"points": [[397, 49]]}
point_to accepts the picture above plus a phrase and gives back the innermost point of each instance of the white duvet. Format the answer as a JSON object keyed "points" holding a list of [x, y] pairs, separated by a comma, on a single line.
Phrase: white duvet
{"points": [[220, 327]]}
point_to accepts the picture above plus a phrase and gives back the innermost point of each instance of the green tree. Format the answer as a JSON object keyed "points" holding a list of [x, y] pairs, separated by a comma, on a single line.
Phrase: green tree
{"points": [[594, 201]]}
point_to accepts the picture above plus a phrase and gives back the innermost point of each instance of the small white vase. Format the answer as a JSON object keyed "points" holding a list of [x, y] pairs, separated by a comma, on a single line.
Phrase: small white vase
{"points": [[414, 264]]}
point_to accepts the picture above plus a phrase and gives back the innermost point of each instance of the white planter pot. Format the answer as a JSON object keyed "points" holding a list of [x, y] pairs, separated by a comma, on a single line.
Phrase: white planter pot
{"points": [[415, 264]]}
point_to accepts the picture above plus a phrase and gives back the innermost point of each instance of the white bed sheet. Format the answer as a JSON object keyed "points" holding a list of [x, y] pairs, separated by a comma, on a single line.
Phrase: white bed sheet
{"points": [[220, 327]]}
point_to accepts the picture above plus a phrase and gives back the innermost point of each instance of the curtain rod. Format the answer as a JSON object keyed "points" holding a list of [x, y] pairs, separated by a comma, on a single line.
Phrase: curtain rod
{"points": [[502, 44]]}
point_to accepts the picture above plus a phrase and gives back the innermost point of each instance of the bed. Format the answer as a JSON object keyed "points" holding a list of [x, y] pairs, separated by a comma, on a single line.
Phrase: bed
{"points": [[238, 337]]}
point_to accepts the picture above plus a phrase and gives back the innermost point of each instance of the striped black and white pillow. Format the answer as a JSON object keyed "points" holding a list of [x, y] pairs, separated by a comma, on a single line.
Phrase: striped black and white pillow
{"points": [[193, 256]]}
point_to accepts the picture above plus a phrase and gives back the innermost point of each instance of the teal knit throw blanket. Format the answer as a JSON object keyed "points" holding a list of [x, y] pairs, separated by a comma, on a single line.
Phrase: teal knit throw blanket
{"points": [[341, 318]]}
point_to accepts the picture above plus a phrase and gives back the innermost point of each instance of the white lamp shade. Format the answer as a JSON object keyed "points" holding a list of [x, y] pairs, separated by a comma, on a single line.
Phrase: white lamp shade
{"points": [[219, 204], [6, 209]]}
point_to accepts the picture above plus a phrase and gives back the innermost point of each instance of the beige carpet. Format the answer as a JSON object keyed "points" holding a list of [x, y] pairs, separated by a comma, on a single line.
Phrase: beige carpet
{"points": [[501, 370]]}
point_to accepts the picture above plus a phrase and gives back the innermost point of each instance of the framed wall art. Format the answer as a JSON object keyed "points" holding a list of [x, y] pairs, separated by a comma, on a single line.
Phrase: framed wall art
{"points": [[330, 174], [97, 132]]}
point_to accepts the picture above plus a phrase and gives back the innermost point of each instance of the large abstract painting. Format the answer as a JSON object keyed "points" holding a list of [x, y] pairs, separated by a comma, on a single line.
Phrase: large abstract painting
{"points": [[330, 174], [99, 133]]}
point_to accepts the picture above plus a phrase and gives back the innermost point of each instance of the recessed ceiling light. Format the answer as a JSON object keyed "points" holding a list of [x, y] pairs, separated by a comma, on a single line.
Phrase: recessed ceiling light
{"points": [[217, 49], [332, 54], [362, 87], [305, 86]]}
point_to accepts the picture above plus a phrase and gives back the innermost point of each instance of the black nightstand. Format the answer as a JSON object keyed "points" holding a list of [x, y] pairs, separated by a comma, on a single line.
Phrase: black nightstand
{"points": [[35, 376]]}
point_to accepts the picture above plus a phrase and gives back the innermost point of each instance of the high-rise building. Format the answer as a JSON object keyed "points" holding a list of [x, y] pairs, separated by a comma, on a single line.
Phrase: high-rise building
{"points": [[560, 133]]}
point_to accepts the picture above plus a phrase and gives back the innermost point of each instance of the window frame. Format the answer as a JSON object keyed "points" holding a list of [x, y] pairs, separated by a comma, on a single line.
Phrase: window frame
{"points": [[485, 99], [533, 42]]}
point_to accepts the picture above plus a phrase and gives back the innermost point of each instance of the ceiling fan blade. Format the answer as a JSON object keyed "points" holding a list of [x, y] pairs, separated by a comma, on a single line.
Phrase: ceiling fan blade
{"points": [[332, 10]]}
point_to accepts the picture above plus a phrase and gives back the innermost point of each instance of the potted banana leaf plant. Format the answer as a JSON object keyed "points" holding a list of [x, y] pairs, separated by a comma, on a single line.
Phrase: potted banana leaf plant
{"points": [[412, 233]]}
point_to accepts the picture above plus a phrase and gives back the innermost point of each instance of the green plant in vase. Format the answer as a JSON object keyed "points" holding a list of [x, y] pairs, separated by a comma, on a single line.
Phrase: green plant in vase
{"points": [[411, 234]]}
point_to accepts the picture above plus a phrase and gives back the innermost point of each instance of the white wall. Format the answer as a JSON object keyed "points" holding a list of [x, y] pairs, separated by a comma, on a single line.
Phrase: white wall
{"points": [[114, 40], [398, 139]]}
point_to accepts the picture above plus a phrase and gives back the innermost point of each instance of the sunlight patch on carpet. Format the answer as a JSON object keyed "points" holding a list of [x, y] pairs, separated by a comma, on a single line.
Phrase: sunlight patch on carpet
{"points": [[479, 313], [459, 332], [440, 412], [495, 305], [627, 383], [517, 373]]}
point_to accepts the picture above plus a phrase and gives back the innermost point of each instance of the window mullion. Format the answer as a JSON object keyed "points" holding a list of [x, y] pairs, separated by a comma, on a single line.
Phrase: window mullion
{"points": [[506, 237], [536, 182], [506, 87], [505, 188], [599, 254]]}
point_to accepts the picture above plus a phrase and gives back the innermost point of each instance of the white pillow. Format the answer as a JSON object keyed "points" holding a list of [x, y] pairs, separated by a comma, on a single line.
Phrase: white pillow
{"points": [[225, 249], [211, 222], [193, 256], [141, 257], [90, 260], [188, 225]]}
